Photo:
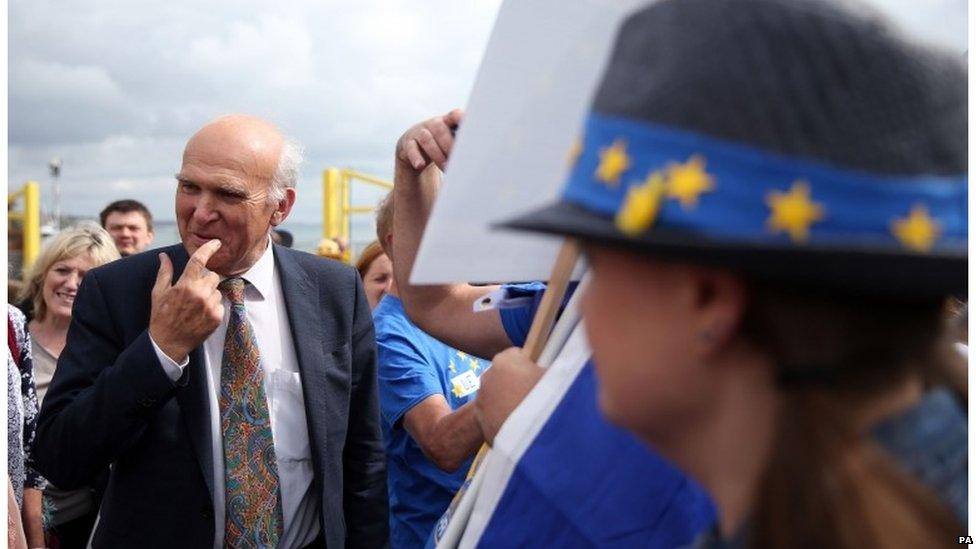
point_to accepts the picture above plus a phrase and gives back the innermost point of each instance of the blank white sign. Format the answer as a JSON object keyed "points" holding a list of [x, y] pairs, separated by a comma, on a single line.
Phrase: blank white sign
{"points": [[543, 62]]}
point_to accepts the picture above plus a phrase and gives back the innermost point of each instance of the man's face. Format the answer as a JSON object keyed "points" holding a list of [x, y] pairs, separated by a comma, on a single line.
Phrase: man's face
{"points": [[222, 192], [129, 230]]}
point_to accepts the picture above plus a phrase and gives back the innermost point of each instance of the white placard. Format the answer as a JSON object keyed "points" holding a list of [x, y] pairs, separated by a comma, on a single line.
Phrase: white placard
{"points": [[538, 76]]}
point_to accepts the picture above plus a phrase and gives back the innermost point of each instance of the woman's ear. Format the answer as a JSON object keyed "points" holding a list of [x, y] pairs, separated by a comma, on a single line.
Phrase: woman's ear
{"points": [[721, 299]]}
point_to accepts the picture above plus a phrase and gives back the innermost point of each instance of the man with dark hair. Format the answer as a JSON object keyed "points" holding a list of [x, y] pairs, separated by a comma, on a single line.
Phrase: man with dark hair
{"points": [[130, 224]]}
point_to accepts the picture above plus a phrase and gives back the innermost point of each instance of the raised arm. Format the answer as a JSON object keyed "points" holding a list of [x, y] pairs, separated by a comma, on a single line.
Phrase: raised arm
{"points": [[444, 311]]}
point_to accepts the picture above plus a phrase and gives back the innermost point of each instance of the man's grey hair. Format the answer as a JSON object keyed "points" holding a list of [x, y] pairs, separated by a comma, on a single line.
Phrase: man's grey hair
{"points": [[286, 174]]}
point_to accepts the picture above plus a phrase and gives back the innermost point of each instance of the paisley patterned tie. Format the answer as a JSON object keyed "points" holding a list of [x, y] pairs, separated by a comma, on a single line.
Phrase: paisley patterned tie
{"points": [[252, 495]]}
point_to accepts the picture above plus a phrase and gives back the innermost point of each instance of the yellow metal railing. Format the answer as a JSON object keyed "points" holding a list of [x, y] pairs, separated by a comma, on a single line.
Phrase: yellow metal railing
{"points": [[29, 219], [337, 207]]}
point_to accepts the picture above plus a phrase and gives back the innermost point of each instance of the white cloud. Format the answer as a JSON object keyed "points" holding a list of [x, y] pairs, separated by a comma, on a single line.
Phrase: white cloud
{"points": [[116, 89], [276, 51], [53, 81]]}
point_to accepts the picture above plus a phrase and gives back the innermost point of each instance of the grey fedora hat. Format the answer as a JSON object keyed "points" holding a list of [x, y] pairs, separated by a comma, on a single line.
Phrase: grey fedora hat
{"points": [[801, 141]]}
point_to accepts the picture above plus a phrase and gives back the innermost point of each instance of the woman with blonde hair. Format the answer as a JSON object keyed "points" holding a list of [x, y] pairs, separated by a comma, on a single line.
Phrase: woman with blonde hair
{"points": [[50, 286]]}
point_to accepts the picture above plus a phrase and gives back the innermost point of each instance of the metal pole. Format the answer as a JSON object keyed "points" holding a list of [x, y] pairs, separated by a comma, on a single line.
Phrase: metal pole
{"points": [[55, 166], [330, 203], [32, 222], [366, 178], [346, 202]]}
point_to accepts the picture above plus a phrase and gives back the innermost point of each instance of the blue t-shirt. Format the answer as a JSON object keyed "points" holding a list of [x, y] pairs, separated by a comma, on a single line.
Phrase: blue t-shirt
{"points": [[411, 367]]}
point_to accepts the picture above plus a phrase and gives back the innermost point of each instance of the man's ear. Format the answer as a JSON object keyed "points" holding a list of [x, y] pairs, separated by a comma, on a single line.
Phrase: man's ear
{"points": [[284, 207], [152, 235], [721, 301], [388, 244]]}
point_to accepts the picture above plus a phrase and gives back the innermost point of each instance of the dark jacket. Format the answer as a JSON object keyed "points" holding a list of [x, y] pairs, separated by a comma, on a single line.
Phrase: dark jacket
{"points": [[112, 403]]}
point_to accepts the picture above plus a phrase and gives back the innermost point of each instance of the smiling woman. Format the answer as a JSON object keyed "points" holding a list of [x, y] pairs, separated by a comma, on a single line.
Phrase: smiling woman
{"points": [[48, 294]]}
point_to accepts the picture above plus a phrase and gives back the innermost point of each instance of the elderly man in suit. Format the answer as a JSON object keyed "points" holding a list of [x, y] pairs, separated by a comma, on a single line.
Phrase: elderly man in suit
{"points": [[229, 382]]}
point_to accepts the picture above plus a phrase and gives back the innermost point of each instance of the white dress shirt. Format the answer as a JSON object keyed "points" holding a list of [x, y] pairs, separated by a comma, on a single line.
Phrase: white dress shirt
{"points": [[265, 306]]}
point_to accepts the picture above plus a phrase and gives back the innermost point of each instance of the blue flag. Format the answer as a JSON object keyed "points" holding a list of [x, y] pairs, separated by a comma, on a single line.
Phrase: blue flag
{"points": [[560, 475]]}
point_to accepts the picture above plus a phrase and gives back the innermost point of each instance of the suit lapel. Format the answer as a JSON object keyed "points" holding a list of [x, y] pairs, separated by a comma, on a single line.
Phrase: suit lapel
{"points": [[306, 322], [192, 392]]}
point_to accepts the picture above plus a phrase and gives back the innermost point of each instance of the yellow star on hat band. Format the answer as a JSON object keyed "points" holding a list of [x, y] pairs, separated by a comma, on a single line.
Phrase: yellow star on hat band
{"points": [[630, 170], [640, 208], [688, 181], [918, 231], [613, 163], [683, 181], [793, 211]]}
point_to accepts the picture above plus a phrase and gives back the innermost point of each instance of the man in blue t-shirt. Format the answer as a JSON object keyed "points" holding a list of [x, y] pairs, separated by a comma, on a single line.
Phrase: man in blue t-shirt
{"points": [[429, 428], [654, 505]]}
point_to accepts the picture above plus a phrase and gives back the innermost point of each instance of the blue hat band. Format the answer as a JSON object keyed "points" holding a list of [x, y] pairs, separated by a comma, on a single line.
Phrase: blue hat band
{"points": [[649, 177]]}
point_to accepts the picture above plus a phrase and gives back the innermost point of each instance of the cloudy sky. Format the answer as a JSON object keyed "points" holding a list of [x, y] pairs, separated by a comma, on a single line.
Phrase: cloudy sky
{"points": [[114, 88]]}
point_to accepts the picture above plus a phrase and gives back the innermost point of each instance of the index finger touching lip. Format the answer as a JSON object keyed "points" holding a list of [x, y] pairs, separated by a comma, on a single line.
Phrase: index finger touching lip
{"points": [[204, 253]]}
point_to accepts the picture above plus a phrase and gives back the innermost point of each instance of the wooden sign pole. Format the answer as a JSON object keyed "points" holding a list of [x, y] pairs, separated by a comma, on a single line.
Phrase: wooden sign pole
{"points": [[535, 342]]}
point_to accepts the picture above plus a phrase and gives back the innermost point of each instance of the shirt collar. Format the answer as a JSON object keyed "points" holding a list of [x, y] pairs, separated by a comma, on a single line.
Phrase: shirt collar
{"points": [[261, 274]]}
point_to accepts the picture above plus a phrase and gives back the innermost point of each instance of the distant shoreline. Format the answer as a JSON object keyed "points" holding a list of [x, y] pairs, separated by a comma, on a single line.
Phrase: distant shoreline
{"points": [[307, 234]]}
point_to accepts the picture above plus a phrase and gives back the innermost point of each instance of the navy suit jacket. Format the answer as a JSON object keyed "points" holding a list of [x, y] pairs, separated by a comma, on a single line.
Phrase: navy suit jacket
{"points": [[112, 403]]}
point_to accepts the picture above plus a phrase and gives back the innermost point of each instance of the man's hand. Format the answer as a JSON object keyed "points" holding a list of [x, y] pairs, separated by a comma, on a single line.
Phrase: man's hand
{"points": [[428, 141], [503, 386], [186, 313]]}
